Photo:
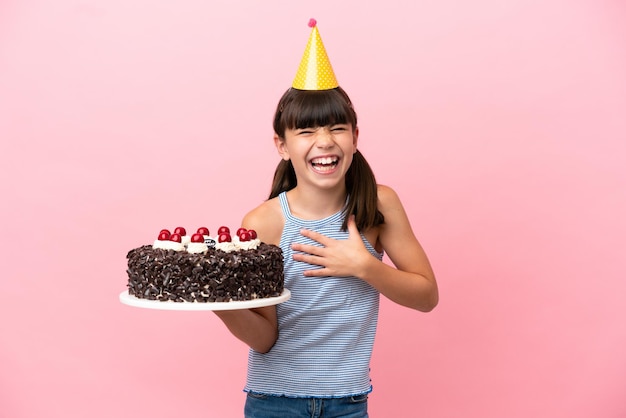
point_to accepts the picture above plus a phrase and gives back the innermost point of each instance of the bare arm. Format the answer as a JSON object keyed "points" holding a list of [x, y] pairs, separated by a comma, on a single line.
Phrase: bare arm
{"points": [[411, 283], [258, 328]]}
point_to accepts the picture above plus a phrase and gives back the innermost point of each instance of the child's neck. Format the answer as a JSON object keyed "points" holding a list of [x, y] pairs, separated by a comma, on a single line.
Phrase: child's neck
{"points": [[316, 204]]}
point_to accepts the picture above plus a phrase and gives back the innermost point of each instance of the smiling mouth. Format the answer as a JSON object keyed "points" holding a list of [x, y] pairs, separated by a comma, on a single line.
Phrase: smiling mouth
{"points": [[324, 164]]}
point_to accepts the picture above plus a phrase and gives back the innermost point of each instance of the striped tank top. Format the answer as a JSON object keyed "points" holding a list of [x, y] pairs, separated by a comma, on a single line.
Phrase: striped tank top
{"points": [[325, 331]]}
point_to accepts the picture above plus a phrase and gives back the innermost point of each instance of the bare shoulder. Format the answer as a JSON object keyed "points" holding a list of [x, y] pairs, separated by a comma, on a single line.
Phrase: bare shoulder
{"points": [[387, 198], [391, 208], [267, 220], [396, 226]]}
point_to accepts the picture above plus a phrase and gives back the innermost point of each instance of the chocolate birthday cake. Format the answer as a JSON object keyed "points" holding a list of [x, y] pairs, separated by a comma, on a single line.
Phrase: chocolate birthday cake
{"points": [[202, 268]]}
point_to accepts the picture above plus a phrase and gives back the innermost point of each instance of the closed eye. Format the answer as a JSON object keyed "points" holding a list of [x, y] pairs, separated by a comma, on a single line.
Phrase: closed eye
{"points": [[305, 132], [339, 128]]}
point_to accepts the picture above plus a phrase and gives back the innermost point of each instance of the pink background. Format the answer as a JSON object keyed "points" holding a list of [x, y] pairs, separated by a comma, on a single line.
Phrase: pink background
{"points": [[501, 124]]}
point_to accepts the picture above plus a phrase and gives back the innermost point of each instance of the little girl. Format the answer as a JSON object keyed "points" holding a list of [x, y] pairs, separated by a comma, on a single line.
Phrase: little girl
{"points": [[310, 355]]}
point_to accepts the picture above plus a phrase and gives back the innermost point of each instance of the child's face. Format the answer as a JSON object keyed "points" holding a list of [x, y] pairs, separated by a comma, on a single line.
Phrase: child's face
{"points": [[320, 155]]}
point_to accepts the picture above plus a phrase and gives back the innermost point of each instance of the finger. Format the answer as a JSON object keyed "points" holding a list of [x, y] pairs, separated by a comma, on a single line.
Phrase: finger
{"points": [[315, 236], [316, 273], [309, 259], [309, 249], [352, 228]]}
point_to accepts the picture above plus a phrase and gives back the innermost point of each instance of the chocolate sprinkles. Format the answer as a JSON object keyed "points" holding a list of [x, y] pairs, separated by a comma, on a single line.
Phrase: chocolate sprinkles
{"points": [[217, 276]]}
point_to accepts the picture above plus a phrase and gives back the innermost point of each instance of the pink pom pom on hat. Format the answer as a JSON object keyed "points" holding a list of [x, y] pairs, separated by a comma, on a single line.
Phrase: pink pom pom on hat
{"points": [[315, 71]]}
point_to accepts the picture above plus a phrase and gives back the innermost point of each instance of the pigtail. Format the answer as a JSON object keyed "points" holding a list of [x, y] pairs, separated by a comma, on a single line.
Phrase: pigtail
{"points": [[284, 178], [362, 195]]}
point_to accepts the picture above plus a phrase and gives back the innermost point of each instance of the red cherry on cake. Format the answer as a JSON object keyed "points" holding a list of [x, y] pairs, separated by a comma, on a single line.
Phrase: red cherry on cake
{"points": [[180, 231], [175, 237], [197, 238], [203, 231], [223, 230], [224, 238], [252, 233], [244, 236], [240, 230], [164, 235]]}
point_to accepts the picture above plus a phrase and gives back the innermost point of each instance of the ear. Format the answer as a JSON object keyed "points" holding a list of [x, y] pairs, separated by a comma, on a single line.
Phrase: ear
{"points": [[281, 147], [355, 139]]}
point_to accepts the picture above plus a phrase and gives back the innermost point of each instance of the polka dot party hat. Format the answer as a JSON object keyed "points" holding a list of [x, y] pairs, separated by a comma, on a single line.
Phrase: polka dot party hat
{"points": [[315, 71]]}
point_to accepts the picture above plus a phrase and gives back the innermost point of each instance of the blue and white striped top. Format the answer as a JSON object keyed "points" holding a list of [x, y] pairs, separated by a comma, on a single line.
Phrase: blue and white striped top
{"points": [[326, 330]]}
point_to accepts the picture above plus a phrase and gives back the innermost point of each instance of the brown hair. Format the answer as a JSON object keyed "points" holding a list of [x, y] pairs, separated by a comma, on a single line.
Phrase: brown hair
{"points": [[299, 109]]}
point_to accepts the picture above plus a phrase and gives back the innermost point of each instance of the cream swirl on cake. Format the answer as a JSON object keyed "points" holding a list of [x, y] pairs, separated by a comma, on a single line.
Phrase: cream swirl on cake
{"points": [[248, 245], [197, 245], [168, 241], [244, 240]]}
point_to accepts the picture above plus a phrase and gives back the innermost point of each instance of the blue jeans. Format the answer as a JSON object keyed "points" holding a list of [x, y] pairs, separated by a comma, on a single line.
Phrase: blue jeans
{"points": [[267, 406]]}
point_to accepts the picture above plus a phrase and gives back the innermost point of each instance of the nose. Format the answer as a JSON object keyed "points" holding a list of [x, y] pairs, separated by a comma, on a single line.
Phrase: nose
{"points": [[324, 138]]}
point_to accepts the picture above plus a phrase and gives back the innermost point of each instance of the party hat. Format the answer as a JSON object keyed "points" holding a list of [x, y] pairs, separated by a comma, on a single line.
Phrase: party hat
{"points": [[315, 71]]}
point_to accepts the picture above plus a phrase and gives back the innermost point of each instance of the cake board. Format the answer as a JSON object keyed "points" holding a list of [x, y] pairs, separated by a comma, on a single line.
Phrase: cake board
{"points": [[131, 300]]}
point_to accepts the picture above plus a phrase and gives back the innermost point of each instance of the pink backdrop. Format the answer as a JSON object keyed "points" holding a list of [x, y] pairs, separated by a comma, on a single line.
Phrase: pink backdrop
{"points": [[502, 125]]}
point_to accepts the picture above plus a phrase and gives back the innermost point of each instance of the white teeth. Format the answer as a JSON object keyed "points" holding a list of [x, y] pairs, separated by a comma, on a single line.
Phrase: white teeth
{"points": [[324, 160]]}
